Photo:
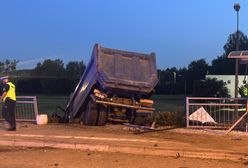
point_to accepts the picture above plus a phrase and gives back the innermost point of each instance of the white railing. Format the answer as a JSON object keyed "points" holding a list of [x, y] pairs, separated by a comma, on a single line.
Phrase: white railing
{"points": [[207, 112], [26, 108]]}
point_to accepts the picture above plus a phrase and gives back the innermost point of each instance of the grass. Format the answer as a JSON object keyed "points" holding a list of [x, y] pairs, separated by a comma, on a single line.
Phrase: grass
{"points": [[169, 103], [47, 103], [163, 103], [170, 109]]}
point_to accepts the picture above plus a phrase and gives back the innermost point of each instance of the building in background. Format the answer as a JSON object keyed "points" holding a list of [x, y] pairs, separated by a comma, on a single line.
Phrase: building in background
{"points": [[230, 81]]}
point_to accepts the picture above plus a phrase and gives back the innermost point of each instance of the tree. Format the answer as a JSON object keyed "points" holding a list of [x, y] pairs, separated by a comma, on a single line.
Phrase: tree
{"points": [[52, 76], [225, 66], [182, 81], [74, 71], [167, 81], [50, 68], [197, 70], [210, 88], [231, 42], [8, 66], [1, 67], [222, 66]]}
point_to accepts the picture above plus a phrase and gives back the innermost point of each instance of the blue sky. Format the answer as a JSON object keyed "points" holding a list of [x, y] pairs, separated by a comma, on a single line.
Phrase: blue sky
{"points": [[178, 31]]}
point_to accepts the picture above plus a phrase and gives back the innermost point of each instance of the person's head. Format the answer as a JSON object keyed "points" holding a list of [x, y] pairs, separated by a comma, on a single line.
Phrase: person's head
{"points": [[4, 79]]}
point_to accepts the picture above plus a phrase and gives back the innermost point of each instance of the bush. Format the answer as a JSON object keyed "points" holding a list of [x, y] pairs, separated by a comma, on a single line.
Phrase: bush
{"points": [[210, 88], [163, 119]]}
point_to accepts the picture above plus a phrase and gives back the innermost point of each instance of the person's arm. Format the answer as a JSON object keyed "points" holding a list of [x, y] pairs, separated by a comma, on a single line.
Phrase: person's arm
{"points": [[5, 90], [3, 95]]}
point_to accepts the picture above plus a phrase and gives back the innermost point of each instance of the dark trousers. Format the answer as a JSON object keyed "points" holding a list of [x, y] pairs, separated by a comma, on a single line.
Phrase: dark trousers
{"points": [[8, 112]]}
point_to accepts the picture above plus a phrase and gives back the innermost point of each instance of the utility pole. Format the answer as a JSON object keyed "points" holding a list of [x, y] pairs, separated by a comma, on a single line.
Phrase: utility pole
{"points": [[237, 7]]}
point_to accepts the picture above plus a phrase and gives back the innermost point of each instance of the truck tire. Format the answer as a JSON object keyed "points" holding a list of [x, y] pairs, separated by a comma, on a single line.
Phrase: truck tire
{"points": [[90, 116], [82, 117], [102, 115]]}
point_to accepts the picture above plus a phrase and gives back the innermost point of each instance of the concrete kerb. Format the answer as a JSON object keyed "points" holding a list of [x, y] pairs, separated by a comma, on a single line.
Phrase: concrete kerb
{"points": [[128, 150]]}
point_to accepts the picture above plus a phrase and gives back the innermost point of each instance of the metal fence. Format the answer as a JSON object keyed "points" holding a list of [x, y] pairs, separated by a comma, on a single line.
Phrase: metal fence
{"points": [[202, 112], [26, 108]]}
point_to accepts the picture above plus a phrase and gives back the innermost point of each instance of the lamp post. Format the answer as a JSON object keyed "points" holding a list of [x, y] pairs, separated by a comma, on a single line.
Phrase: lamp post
{"points": [[174, 77], [237, 7]]}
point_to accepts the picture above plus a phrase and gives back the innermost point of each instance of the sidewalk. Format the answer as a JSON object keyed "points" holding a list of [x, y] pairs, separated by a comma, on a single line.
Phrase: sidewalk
{"points": [[111, 138]]}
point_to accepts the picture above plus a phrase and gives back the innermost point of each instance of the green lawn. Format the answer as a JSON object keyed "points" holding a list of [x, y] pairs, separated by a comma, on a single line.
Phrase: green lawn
{"points": [[171, 103], [47, 103]]}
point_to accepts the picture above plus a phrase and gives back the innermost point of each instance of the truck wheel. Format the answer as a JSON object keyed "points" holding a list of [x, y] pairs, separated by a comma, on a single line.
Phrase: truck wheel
{"points": [[90, 117], [82, 117], [102, 116]]}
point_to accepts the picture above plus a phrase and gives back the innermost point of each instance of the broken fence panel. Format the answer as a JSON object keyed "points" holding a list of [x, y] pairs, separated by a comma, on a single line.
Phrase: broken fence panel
{"points": [[209, 112]]}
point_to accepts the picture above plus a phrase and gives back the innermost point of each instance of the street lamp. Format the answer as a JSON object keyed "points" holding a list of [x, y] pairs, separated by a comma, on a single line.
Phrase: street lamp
{"points": [[174, 77], [237, 7]]}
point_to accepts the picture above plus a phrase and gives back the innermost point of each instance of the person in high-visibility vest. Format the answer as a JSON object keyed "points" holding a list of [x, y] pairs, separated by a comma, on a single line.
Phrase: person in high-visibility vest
{"points": [[9, 102], [243, 91]]}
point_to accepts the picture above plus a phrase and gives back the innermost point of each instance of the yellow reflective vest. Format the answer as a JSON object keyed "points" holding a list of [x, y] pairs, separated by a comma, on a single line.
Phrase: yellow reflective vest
{"points": [[11, 92], [243, 90]]}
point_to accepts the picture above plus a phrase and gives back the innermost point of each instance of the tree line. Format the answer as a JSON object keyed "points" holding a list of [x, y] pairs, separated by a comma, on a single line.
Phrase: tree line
{"points": [[48, 77], [54, 77], [191, 80]]}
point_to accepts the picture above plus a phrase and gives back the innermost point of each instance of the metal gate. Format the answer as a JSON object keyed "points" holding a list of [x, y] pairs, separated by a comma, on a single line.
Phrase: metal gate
{"points": [[206, 112], [26, 108]]}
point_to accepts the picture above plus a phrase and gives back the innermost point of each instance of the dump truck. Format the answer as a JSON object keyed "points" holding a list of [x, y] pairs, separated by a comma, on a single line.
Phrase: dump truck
{"points": [[115, 86]]}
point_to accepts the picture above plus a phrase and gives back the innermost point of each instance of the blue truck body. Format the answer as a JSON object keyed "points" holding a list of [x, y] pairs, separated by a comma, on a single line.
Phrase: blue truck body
{"points": [[112, 79]]}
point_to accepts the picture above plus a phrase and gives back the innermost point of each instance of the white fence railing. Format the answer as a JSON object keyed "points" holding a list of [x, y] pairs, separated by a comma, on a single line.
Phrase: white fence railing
{"points": [[26, 108], [206, 112]]}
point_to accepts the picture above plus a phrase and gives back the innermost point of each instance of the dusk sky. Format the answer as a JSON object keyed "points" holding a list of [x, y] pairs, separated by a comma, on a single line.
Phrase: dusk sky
{"points": [[178, 31]]}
